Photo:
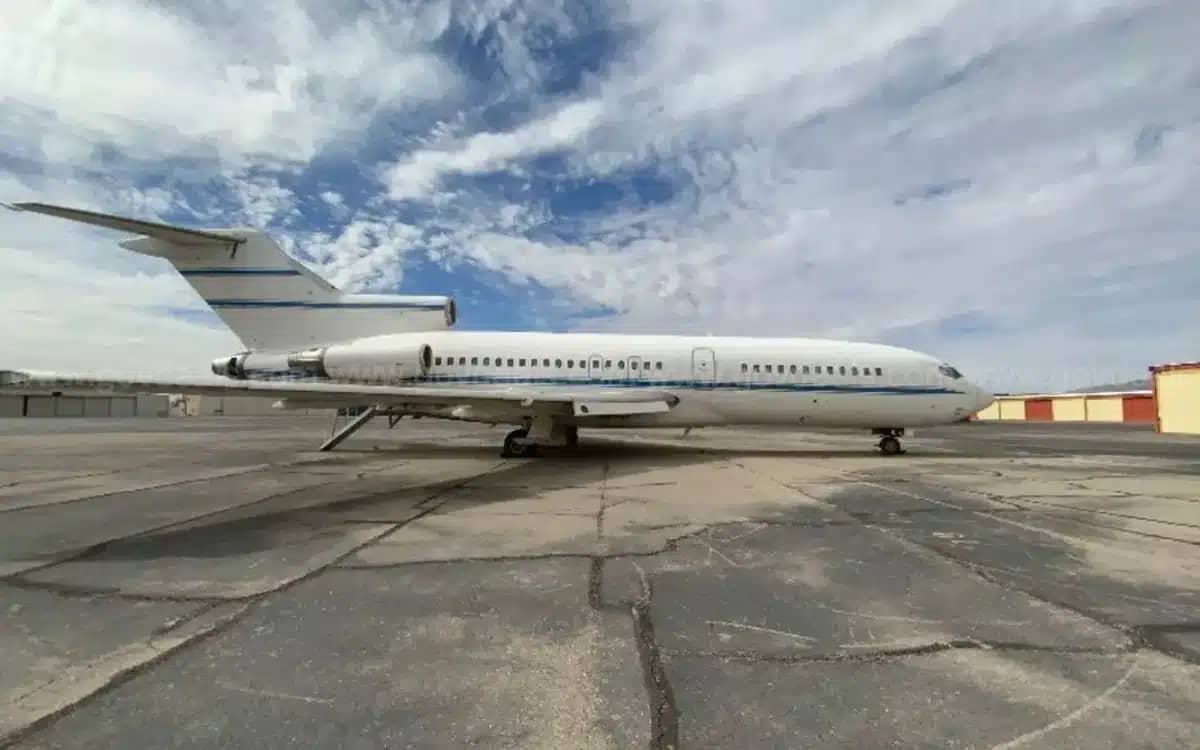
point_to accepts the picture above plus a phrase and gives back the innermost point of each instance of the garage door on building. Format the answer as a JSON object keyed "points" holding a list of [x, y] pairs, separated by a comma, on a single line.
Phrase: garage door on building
{"points": [[40, 406], [12, 406], [1039, 410], [1139, 409], [96, 406], [68, 406], [122, 406]]}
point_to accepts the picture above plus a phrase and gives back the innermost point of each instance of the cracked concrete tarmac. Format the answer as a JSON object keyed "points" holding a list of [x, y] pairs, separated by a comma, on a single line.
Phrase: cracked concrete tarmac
{"points": [[213, 582]]}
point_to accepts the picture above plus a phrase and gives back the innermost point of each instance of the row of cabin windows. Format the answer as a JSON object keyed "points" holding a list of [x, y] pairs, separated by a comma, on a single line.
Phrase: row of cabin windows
{"points": [[533, 362], [815, 369]]}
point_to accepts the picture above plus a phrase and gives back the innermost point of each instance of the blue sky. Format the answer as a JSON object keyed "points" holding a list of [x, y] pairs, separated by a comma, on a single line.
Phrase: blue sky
{"points": [[1012, 189]]}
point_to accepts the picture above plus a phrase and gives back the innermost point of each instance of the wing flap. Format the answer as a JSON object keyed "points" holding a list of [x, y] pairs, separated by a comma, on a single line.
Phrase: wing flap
{"points": [[591, 408]]}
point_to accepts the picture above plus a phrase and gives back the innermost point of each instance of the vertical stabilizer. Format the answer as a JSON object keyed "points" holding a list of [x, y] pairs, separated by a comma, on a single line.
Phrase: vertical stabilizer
{"points": [[267, 298]]}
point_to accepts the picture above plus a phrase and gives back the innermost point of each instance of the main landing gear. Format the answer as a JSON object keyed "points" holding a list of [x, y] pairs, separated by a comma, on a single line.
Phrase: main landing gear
{"points": [[521, 444], [516, 446], [889, 441]]}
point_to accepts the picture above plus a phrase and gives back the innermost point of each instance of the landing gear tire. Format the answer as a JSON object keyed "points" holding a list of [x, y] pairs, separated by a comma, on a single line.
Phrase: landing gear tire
{"points": [[516, 447], [572, 437], [889, 446]]}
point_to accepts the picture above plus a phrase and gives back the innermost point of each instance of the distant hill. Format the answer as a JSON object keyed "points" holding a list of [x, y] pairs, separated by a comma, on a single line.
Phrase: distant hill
{"points": [[1129, 385]]}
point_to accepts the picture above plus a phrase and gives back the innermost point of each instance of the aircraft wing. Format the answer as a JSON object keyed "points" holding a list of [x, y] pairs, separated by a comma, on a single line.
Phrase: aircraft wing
{"points": [[485, 402]]}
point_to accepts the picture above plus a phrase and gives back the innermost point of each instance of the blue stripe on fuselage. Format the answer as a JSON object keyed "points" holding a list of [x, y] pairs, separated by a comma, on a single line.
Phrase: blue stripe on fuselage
{"points": [[681, 384]]}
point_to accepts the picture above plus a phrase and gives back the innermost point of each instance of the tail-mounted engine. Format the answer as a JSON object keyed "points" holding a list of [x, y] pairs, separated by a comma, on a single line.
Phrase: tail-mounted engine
{"points": [[375, 359]]}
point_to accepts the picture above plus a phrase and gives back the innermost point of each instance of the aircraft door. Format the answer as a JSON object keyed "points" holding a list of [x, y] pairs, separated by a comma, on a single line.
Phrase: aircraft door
{"points": [[704, 365], [595, 367], [635, 367]]}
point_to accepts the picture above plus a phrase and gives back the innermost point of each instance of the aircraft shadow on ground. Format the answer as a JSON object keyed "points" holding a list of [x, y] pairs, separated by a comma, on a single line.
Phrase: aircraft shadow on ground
{"points": [[242, 531]]}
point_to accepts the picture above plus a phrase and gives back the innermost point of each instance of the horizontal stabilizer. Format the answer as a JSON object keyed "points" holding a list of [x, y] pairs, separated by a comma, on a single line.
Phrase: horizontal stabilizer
{"points": [[165, 232]]}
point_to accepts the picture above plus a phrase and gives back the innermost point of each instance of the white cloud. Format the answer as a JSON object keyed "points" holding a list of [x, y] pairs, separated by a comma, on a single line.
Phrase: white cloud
{"points": [[262, 200], [73, 317], [368, 254], [876, 171], [1011, 187], [419, 174], [239, 80]]}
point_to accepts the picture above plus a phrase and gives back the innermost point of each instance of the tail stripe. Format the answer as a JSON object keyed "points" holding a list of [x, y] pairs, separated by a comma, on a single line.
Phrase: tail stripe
{"points": [[239, 272], [247, 303]]}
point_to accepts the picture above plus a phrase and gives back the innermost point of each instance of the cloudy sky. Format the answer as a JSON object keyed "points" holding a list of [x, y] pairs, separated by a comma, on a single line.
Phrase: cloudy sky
{"points": [[1014, 187]]}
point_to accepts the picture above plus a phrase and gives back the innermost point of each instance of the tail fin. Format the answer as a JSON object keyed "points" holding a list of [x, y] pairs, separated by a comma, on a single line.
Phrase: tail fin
{"points": [[268, 299]]}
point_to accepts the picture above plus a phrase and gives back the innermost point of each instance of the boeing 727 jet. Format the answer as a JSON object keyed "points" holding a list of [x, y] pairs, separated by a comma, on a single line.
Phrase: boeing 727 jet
{"points": [[313, 346]]}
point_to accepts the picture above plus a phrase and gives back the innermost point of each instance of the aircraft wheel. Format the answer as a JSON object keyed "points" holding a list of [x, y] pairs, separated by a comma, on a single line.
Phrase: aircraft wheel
{"points": [[889, 445], [516, 447], [572, 437]]}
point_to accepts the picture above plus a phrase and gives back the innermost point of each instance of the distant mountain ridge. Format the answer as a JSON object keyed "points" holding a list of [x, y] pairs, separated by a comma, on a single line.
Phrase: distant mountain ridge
{"points": [[1142, 384]]}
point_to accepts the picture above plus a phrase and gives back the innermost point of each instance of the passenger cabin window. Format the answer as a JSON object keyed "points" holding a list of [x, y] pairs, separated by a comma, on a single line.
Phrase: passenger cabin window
{"points": [[805, 369], [510, 362], [521, 362], [767, 368], [437, 360], [462, 361], [608, 364], [745, 367], [595, 364], [878, 370], [658, 365], [633, 365], [792, 369], [487, 360], [620, 364], [842, 370], [474, 360], [545, 363], [756, 368], [853, 370], [558, 363], [570, 363]]}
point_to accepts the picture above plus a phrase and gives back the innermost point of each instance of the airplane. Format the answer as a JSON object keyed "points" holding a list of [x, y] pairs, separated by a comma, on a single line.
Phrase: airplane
{"points": [[312, 345]]}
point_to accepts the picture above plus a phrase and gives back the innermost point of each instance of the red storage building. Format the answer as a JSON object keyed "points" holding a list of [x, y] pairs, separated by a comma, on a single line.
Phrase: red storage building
{"points": [[1039, 410]]}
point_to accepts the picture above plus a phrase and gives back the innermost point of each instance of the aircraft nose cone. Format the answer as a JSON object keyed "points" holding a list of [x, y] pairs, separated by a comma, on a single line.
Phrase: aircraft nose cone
{"points": [[983, 398]]}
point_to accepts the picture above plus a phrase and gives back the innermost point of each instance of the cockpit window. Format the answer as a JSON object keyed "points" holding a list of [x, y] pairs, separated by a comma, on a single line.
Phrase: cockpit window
{"points": [[949, 371]]}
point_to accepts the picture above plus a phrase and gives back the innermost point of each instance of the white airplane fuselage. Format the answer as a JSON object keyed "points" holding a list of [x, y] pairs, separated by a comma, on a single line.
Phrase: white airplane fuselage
{"points": [[717, 380]]}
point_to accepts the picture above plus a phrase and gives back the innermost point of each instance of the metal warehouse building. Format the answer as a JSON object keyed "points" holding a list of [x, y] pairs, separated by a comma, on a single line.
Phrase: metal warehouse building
{"points": [[1177, 396], [68, 404], [1113, 406]]}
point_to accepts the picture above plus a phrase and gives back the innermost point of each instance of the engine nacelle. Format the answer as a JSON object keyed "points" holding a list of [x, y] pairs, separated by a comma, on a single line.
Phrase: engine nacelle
{"points": [[377, 359], [251, 365]]}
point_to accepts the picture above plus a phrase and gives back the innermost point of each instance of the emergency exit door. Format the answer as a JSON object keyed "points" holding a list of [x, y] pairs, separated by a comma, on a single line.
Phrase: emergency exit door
{"points": [[704, 365]]}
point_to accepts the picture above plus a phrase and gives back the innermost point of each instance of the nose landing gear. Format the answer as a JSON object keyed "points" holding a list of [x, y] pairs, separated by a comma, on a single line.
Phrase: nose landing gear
{"points": [[889, 441]]}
